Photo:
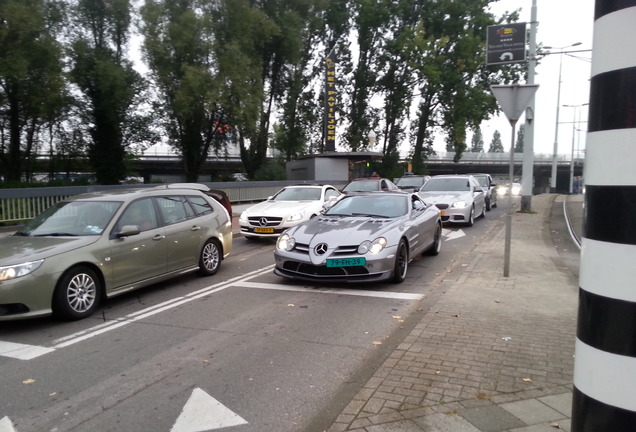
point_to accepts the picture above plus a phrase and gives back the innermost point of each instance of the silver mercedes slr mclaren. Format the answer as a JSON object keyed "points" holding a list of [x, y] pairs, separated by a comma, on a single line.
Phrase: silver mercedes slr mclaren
{"points": [[364, 237]]}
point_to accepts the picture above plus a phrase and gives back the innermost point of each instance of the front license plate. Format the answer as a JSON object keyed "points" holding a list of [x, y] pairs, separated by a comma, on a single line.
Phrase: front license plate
{"points": [[264, 230], [346, 262]]}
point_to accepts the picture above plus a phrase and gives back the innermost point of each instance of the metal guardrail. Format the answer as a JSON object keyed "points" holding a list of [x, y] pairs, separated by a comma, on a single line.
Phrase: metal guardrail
{"points": [[25, 203]]}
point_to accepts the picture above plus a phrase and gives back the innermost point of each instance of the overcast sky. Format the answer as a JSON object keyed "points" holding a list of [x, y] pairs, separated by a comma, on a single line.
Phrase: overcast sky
{"points": [[560, 23]]}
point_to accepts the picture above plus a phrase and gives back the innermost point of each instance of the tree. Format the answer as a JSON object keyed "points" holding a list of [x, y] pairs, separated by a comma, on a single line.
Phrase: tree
{"points": [[454, 82], [301, 108], [477, 141], [108, 83], [495, 145], [179, 51], [520, 136], [31, 82]]}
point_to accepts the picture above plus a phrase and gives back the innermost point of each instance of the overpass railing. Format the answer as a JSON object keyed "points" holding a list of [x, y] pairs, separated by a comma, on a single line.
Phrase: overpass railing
{"points": [[21, 204]]}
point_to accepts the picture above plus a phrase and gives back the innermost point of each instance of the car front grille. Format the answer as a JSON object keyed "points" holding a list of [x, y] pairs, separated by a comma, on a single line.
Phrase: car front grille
{"points": [[265, 221], [441, 206], [340, 250]]}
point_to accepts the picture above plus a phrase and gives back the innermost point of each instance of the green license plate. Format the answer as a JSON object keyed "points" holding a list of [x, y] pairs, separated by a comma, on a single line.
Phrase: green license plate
{"points": [[346, 262]]}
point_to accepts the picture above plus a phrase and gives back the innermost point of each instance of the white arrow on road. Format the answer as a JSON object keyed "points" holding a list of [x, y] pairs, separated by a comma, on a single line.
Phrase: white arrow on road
{"points": [[452, 234], [202, 413], [6, 425]]}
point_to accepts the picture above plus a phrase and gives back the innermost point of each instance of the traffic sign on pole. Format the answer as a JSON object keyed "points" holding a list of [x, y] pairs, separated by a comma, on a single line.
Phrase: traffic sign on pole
{"points": [[513, 99], [506, 43]]}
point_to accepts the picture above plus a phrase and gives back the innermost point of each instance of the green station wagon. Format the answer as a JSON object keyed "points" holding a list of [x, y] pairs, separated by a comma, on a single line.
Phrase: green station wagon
{"points": [[93, 246]]}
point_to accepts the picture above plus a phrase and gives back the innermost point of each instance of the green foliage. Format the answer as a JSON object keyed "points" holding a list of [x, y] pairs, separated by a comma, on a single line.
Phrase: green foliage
{"points": [[272, 170], [477, 141], [108, 83], [495, 145], [31, 81], [520, 138], [245, 72]]}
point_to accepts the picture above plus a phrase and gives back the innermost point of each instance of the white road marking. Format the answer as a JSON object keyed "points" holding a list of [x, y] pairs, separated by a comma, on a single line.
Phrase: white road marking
{"points": [[22, 351], [452, 234], [28, 352], [9, 349], [6, 425], [339, 291], [202, 412]]}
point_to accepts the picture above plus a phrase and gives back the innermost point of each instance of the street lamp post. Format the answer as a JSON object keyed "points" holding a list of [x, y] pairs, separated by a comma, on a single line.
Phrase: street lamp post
{"points": [[575, 118], [555, 150]]}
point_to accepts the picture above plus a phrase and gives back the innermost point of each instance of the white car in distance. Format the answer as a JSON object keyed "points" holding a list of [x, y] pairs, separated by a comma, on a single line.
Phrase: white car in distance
{"points": [[290, 206]]}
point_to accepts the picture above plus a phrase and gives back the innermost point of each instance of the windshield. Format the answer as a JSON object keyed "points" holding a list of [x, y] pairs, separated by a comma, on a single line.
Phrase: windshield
{"points": [[298, 194], [362, 186], [446, 185], [482, 180], [72, 218], [381, 206], [410, 181]]}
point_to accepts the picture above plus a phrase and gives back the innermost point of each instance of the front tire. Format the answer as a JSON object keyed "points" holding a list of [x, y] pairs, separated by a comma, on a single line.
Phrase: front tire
{"points": [[471, 217], [401, 263], [77, 294], [210, 258], [437, 241]]}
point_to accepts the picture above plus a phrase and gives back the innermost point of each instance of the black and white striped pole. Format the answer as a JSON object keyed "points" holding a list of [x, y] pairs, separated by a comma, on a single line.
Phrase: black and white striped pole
{"points": [[604, 396]]}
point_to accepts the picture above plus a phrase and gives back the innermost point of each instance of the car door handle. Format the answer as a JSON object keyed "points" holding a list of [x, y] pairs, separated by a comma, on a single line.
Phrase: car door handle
{"points": [[158, 237], [195, 228]]}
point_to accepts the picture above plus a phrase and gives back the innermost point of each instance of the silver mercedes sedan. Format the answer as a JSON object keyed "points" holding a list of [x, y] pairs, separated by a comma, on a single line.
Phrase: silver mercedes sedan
{"points": [[364, 237]]}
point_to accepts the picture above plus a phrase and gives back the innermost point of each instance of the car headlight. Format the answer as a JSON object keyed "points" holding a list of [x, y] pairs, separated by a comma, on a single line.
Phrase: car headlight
{"points": [[460, 204], [243, 216], [285, 242], [296, 217], [372, 247], [19, 270]]}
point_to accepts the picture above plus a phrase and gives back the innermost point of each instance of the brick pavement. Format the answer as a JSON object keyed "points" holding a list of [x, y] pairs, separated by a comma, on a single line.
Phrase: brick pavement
{"points": [[492, 353]]}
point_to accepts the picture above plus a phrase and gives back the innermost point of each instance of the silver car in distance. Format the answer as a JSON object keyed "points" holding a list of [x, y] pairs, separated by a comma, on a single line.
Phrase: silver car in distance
{"points": [[364, 237]]}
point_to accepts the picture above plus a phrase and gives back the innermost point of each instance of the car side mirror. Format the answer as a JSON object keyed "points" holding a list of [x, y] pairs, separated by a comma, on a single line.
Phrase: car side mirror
{"points": [[128, 230]]}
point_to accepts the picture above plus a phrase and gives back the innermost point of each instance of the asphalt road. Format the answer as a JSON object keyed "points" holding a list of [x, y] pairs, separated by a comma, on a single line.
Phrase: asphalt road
{"points": [[243, 349]]}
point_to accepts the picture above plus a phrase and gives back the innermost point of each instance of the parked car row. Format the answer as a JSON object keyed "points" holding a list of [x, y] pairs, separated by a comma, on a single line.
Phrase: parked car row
{"points": [[95, 246]]}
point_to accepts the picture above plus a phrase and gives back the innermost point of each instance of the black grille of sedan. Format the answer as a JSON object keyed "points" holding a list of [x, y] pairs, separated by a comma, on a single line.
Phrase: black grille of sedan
{"points": [[312, 270], [265, 221], [441, 206]]}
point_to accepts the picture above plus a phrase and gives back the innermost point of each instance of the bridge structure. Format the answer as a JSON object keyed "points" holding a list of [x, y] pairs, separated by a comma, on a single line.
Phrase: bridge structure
{"points": [[169, 167]]}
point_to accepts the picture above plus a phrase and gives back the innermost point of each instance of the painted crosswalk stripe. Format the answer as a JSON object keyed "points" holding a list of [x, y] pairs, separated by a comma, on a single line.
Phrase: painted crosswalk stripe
{"points": [[22, 351]]}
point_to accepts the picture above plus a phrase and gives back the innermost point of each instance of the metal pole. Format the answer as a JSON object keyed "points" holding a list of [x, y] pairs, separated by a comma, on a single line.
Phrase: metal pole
{"points": [[508, 218], [572, 157], [555, 150], [527, 173]]}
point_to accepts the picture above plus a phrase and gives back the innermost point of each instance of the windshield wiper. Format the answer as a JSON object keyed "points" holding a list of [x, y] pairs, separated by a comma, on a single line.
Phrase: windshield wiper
{"points": [[55, 234], [369, 215]]}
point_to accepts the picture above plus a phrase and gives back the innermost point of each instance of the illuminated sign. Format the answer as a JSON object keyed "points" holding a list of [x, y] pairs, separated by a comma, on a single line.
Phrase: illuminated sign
{"points": [[331, 97], [506, 43]]}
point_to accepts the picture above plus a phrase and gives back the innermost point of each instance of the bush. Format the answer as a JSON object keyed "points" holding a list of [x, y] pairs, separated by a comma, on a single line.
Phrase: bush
{"points": [[273, 170]]}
